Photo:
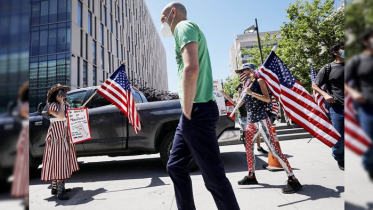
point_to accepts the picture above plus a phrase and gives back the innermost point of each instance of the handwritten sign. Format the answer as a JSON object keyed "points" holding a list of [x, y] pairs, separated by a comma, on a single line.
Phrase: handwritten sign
{"points": [[78, 123], [219, 97]]}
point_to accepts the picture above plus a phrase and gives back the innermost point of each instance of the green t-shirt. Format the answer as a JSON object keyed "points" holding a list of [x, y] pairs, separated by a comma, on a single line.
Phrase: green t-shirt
{"points": [[186, 32]]}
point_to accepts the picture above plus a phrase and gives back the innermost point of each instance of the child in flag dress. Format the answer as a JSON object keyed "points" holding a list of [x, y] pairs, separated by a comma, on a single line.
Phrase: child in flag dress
{"points": [[59, 161], [256, 102]]}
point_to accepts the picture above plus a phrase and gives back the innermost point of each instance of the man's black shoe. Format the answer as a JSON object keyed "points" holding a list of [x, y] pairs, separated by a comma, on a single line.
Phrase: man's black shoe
{"points": [[248, 181], [341, 165], [261, 150], [292, 186]]}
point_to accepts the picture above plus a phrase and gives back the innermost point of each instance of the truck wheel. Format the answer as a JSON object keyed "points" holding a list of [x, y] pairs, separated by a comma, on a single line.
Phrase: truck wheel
{"points": [[165, 151]]}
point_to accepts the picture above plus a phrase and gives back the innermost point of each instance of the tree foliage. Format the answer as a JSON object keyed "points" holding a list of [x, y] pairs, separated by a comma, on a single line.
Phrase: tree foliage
{"points": [[359, 17], [231, 84], [313, 28], [267, 42]]}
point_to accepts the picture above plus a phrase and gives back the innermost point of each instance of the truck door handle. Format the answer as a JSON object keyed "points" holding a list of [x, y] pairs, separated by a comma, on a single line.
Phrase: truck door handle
{"points": [[38, 123]]}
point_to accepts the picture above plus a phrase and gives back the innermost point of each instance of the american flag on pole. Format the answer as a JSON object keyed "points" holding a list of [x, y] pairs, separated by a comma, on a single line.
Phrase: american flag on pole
{"points": [[117, 90], [355, 138], [296, 100], [320, 100]]}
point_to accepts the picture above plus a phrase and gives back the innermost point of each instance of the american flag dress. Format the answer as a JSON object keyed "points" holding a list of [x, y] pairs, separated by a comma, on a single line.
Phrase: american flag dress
{"points": [[59, 161]]}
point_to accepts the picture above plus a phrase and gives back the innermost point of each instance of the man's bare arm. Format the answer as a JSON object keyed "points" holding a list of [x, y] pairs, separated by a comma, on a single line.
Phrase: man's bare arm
{"points": [[190, 76]]}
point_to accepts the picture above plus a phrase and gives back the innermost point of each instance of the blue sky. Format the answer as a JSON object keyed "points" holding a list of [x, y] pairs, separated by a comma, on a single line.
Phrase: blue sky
{"points": [[220, 20]]}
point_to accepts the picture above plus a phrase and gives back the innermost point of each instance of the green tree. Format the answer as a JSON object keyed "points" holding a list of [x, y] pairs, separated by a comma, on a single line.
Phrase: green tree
{"points": [[359, 17], [313, 27], [231, 84], [267, 42]]}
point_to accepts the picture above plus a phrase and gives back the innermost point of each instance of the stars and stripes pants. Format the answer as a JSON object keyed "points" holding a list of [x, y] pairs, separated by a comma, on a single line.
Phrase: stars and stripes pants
{"points": [[264, 128]]}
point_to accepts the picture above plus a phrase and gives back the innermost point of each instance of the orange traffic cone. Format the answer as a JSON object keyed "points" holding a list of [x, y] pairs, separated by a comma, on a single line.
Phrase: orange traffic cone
{"points": [[273, 164]]}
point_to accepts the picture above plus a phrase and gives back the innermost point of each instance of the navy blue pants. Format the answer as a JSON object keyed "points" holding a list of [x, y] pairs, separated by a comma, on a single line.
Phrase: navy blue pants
{"points": [[366, 122], [337, 117], [197, 138]]}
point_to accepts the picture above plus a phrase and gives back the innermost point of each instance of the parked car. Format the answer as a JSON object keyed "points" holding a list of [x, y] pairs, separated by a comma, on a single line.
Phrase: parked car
{"points": [[112, 135]]}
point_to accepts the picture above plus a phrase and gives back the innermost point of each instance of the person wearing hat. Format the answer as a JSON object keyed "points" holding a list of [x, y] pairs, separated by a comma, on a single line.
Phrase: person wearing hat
{"points": [[256, 101], [243, 116], [60, 160]]}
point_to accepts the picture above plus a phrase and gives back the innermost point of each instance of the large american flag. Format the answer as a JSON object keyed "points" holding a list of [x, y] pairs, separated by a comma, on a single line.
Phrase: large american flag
{"points": [[296, 100], [275, 107], [320, 100], [117, 90], [355, 138]]}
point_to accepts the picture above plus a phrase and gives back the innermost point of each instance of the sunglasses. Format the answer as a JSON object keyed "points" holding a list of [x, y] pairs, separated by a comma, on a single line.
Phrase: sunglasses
{"points": [[62, 93]]}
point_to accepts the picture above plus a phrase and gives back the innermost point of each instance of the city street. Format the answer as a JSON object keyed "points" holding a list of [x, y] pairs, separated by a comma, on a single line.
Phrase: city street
{"points": [[141, 182]]}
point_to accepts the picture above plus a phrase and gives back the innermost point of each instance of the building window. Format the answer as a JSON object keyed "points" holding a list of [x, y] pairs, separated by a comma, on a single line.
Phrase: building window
{"points": [[111, 5], [52, 11], [80, 14], [44, 12], [52, 41], [117, 49], [86, 46], [125, 9], [61, 40], [94, 76], [108, 40], [62, 10], [108, 53], [94, 51], [81, 43], [122, 56], [90, 23], [43, 49], [116, 29], [111, 23], [78, 82], [34, 43], [85, 74], [102, 34], [102, 58], [105, 16]]}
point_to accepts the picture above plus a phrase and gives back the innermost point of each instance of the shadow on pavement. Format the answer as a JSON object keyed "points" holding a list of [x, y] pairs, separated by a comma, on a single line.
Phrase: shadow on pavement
{"points": [[77, 196], [314, 192], [155, 182]]}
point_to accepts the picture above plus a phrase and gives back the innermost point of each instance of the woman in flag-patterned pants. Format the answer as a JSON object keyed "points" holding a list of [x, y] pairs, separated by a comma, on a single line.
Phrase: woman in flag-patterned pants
{"points": [[256, 102], [59, 161]]}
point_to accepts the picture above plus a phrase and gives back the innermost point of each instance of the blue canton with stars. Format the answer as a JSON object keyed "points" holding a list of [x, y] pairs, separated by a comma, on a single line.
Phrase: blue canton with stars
{"points": [[120, 77], [275, 64], [313, 74]]}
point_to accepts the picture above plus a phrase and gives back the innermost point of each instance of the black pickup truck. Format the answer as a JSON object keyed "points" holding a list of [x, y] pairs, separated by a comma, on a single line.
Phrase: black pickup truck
{"points": [[112, 135]]}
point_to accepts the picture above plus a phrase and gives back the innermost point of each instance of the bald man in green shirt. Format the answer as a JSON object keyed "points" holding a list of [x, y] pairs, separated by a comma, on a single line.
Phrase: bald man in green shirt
{"points": [[195, 136]]}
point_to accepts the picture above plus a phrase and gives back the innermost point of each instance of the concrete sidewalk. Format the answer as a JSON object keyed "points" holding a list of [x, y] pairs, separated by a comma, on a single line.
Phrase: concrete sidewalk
{"points": [[141, 182]]}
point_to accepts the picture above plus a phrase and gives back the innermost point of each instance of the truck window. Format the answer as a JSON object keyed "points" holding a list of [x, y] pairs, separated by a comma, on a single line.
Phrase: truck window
{"points": [[98, 101], [144, 100], [76, 99]]}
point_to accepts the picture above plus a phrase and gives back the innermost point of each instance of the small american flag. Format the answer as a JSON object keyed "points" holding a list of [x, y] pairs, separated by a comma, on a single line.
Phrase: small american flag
{"points": [[320, 100], [117, 90], [355, 138], [296, 100]]}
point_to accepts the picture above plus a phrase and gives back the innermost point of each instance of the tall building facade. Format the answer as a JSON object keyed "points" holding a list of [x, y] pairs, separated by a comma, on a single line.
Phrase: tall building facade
{"points": [[246, 41], [82, 42]]}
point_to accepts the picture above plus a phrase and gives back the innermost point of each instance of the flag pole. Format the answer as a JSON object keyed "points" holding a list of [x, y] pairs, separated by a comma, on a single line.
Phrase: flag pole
{"points": [[90, 98]]}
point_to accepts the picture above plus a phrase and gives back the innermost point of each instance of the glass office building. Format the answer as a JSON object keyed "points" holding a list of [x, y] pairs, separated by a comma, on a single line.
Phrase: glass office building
{"points": [[80, 43]]}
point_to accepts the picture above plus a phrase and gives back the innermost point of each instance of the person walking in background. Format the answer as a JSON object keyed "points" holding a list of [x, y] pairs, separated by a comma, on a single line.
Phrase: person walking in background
{"points": [[243, 116], [195, 136], [59, 160], [359, 71], [331, 75], [256, 102], [20, 185]]}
